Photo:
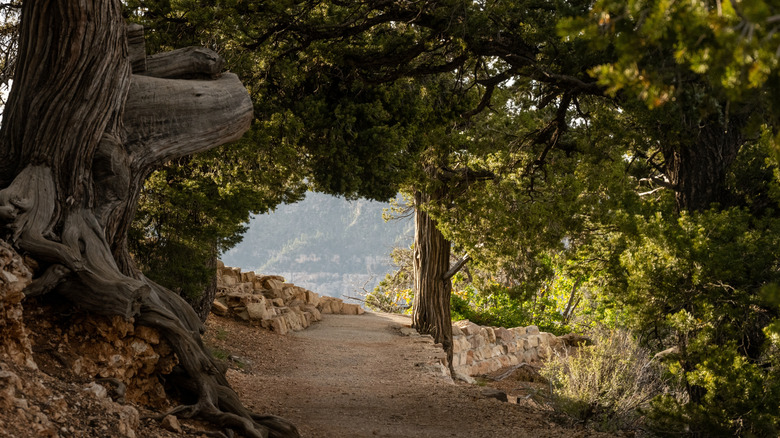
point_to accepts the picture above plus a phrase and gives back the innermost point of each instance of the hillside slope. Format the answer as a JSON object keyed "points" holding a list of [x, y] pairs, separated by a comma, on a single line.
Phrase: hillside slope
{"points": [[323, 243]]}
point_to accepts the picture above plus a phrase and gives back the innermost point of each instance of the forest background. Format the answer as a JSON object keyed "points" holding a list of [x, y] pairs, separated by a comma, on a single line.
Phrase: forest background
{"points": [[596, 164]]}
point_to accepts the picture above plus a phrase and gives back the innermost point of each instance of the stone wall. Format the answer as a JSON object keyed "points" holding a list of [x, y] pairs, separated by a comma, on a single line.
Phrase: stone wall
{"points": [[270, 302], [479, 350]]}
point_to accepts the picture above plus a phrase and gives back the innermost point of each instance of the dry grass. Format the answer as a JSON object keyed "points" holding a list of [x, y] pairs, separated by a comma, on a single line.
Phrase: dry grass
{"points": [[605, 385]]}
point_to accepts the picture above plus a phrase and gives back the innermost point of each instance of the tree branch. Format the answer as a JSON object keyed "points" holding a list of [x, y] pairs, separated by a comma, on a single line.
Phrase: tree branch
{"points": [[171, 118], [456, 267]]}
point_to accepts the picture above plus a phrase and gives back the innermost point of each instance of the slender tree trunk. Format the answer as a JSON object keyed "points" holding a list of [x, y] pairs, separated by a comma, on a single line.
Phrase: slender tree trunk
{"points": [[80, 134], [431, 312], [202, 305]]}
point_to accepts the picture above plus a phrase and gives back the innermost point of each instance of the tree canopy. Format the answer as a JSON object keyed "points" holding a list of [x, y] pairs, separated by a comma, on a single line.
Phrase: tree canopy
{"points": [[634, 143]]}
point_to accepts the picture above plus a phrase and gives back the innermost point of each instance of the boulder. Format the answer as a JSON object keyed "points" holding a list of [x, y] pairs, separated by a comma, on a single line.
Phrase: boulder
{"points": [[241, 313], [312, 298], [248, 277], [271, 281], [518, 331], [316, 314], [272, 294], [276, 305], [329, 305], [490, 334], [467, 327], [351, 309], [504, 336], [257, 311], [171, 423], [279, 325], [219, 308]]}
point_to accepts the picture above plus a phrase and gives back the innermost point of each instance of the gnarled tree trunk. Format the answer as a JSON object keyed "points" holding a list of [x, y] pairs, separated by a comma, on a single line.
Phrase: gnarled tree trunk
{"points": [[80, 134]]}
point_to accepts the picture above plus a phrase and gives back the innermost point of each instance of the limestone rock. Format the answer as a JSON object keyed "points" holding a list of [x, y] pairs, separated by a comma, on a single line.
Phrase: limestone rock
{"points": [[279, 325], [272, 282], [171, 423], [98, 390], [9, 384], [351, 309], [481, 350], [269, 301], [219, 308], [257, 311], [248, 277], [315, 313], [15, 276]]}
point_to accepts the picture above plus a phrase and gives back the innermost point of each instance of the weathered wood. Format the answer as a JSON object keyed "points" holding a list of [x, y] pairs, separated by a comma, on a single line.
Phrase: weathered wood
{"points": [[41, 123], [431, 309], [187, 62], [170, 118], [456, 267], [136, 48]]}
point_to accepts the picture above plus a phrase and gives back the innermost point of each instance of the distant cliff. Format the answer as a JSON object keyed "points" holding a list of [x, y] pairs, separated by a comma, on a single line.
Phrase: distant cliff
{"points": [[323, 243]]}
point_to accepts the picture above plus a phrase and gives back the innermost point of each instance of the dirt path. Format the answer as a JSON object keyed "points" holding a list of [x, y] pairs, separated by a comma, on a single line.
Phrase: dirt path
{"points": [[358, 376]]}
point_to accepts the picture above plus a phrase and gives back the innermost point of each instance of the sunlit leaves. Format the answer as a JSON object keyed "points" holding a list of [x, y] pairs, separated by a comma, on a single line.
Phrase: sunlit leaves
{"points": [[659, 44]]}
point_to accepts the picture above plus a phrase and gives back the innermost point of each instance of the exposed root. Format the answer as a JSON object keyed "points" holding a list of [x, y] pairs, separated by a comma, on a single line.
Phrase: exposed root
{"points": [[216, 403], [48, 281], [83, 256], [81, 267]]}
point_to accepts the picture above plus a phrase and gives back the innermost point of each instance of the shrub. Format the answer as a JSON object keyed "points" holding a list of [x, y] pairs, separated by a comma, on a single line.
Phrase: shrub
{"points": [[694, 281], [495, 306], [394, 293], [605, 385]]}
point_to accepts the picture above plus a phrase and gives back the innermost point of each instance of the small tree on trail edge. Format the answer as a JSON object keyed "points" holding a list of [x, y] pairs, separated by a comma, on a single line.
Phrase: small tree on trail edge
{"points": [[87, 119]]}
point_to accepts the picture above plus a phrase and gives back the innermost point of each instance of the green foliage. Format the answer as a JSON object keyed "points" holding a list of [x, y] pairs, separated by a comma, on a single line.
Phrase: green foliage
{"points": [[556, 191], [496, 307], [191, 212], [394, 293], [220, 354], [729, 45], [730, 395], [319, 118], [606, 385], [695, 282]]}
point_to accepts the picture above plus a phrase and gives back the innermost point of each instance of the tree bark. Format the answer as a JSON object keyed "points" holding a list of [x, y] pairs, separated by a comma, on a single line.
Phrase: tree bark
{"points": [[80, 134], [202, 304], [697, 171], [431, 311]]}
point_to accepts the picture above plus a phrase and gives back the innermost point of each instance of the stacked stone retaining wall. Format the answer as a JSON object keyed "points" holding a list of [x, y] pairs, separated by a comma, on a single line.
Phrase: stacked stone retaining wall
{"points": [[270, 302], [480, 350]]}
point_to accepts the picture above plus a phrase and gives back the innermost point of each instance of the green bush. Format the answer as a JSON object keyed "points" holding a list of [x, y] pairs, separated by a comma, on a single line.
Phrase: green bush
{"points": [[394, 293], [695, 282], [729, 396], [605, 385], [496, 307]]}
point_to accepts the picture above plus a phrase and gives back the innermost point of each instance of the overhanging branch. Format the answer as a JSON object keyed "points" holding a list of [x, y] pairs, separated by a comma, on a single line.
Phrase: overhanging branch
{"points": [[170, 118]]}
